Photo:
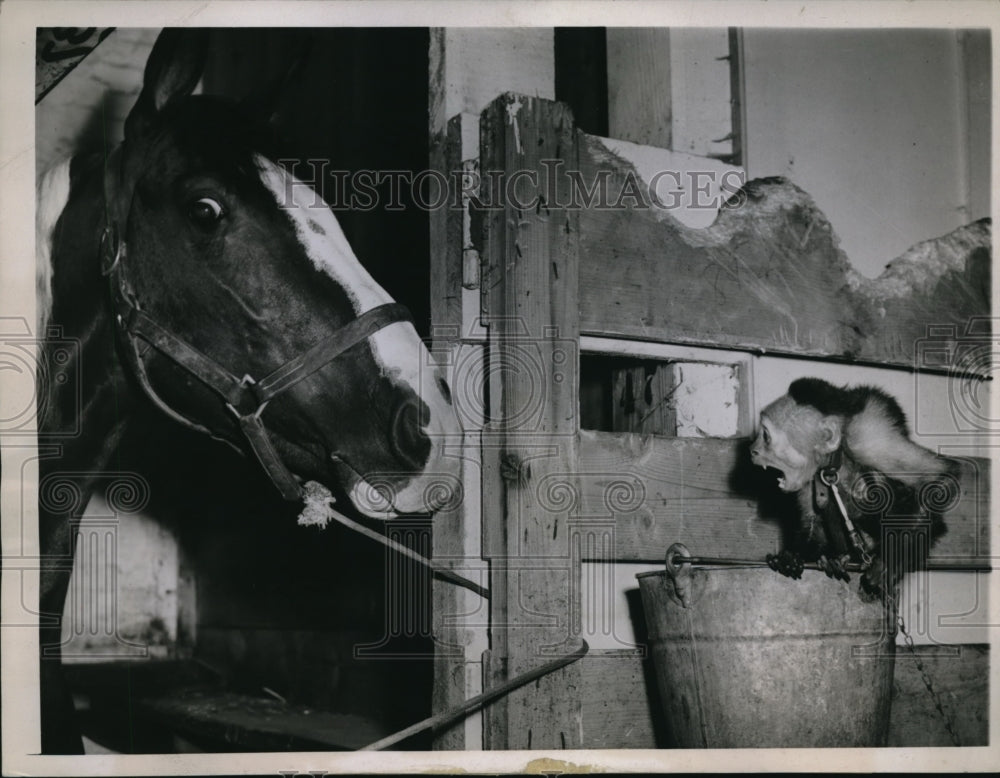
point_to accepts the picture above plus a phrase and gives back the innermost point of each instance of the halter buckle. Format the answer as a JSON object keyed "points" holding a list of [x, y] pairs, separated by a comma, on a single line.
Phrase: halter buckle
{"points": [[252, 415]]}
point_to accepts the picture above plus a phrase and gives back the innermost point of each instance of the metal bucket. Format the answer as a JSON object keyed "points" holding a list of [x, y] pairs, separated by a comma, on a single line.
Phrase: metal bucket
{"points": [[746, 658]]}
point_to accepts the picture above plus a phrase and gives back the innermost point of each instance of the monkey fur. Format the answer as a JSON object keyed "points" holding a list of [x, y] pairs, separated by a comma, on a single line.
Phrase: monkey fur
{"points": [[892, 488]]}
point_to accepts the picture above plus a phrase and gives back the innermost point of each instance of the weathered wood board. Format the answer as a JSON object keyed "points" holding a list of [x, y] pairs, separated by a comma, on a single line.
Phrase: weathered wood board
{"points": [[529, 285], [704, 493], [619, 700], [768, 275], [620, 708], [241, 722], [959, 675]]}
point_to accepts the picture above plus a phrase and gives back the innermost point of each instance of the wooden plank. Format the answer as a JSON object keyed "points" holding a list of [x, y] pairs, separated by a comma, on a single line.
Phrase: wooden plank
{"points": [[640, 395], [446, 242], [737, 96], [967, 540], [452, 315], [620, 709], [662, 490], [959, 676], [689, 187], [618, 691], [700, 81], [706, 494], [470, 66], [639, 88], [768, 275], [220, 720], [457, 613], [529, 282]]}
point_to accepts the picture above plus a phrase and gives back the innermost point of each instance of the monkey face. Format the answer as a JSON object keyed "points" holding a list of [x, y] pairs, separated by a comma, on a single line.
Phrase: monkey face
{"points": [[794, 441]]}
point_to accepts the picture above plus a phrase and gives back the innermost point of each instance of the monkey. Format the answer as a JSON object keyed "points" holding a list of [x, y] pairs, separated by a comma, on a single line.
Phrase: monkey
{"points": [[851, 445]]}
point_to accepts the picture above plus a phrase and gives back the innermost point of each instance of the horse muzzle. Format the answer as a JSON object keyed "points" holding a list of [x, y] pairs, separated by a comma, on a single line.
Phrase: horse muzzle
{"points": [[388, 495], [431, 486]]}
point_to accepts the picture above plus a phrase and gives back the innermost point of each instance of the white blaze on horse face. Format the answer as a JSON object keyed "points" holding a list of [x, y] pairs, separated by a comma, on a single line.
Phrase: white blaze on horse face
{"points": [[397, 348], [52, 196]]}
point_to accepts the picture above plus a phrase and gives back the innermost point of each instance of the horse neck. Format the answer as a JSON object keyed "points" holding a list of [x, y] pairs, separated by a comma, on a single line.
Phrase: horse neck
{"points": [[94, 393]]}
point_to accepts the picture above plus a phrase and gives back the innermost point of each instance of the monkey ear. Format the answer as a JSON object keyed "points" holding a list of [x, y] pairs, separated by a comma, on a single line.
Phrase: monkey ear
{"points": [[830, 434]]}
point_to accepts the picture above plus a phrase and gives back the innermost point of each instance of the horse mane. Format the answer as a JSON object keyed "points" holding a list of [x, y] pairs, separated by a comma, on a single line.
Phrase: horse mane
{"points": [[52, 196]]}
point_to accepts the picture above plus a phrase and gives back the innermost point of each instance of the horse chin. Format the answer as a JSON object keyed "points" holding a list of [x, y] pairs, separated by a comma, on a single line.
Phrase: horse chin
{"points": [[422, 494], [372, 501]]}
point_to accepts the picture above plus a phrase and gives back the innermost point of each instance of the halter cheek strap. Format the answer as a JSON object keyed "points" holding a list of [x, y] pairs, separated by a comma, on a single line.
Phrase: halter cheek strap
{"points": [[246, 397]]}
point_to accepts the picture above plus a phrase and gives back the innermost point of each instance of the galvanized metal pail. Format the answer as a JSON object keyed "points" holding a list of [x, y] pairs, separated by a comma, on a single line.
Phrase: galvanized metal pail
{"points": [[746, 658]]}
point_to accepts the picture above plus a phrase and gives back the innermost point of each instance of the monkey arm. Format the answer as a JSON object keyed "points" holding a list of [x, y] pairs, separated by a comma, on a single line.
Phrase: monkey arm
{"points": [[807, 544]]}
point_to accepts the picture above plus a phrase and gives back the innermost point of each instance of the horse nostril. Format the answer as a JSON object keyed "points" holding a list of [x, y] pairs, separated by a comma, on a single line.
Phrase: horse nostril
{"points": [[411, 442]]}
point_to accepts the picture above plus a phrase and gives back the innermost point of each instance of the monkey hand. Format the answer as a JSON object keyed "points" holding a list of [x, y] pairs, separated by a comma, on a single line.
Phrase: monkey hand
{"points": [[787, 563], [873, 581], [835, 567]]}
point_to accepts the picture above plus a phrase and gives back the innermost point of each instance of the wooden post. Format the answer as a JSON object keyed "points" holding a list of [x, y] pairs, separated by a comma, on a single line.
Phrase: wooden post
{"points": [[640, 107], [455, 533], [468, 67], [529, 283]]}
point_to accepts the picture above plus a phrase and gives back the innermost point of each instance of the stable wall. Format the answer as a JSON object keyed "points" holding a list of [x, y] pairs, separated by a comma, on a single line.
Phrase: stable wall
{"points": [[888, 130], [953, 607]]}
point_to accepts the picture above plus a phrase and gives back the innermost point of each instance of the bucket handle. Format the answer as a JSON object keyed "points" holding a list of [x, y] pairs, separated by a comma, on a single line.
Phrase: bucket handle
{"points": [[679, 572]]}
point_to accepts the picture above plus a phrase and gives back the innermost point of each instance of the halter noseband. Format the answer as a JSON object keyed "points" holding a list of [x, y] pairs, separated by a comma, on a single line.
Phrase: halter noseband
{"points": [[246, 397]]}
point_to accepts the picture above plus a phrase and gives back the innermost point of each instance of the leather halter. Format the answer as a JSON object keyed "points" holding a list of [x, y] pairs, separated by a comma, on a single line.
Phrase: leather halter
{"points": [[246, 397]]}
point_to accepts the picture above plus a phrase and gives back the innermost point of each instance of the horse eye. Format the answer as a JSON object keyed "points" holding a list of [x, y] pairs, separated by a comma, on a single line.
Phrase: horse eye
{"points": [[205, 211]]}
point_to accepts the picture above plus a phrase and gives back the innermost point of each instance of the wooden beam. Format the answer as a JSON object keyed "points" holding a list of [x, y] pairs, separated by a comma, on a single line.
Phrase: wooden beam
{"points": [[619, 702], [704, 493], [957, 674], [446, 242], [659, 491], [768, 275], [470, 66], [639, 97], [457, 666], [529, 284]]}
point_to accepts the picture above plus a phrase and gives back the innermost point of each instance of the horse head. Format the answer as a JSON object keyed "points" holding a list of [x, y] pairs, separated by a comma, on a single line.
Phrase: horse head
{"points": [[244, 312]]}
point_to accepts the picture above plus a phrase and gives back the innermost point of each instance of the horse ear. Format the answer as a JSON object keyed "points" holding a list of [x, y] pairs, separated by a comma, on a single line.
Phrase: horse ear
{"points": [[264, 102], [172, 72]]}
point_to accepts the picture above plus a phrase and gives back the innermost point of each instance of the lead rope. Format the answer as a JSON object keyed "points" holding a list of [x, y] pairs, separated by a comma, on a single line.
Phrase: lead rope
{"points": [[480, 699], [949, 724], [318, 510]]}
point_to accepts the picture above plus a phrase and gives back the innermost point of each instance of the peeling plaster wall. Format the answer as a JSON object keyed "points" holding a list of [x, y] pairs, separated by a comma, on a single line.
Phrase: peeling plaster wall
{"points": [[876, 126]]}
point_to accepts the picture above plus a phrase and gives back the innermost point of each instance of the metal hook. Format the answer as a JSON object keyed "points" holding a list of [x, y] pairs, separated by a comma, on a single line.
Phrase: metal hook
{"points": [[680, 573]]}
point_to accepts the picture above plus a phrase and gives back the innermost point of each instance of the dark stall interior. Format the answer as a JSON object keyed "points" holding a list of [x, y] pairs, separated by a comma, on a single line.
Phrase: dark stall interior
{"points": [[298, 640]]}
